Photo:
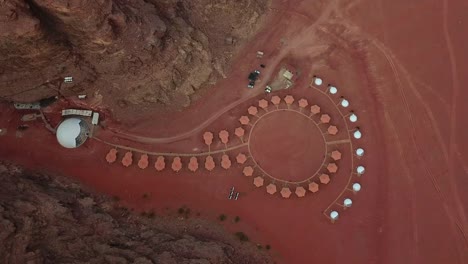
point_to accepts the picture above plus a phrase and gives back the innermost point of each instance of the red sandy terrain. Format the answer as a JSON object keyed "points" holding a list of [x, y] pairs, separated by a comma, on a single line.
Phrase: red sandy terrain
{"points": [[290, 139], [399, 64]]}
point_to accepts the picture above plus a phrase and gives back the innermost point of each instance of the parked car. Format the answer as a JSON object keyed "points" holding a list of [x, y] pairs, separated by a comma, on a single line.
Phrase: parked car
{"points": [[251, 84], [253, 76]]}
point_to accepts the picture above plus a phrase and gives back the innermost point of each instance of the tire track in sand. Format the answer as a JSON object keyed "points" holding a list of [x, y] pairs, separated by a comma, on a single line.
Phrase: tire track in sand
{"points": [[410, 180], [453, 117], [442, 196], [293, 44]]}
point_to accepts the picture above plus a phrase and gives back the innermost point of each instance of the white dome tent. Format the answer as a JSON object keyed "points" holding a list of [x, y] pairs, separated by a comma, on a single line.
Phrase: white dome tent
{"points": [[334, 215], [353, 117], [333, 90], [347, 202], [356, 187], [360, 169], [318, 81], [72, 132], [344, 102], [357, 134], [360, 152]]}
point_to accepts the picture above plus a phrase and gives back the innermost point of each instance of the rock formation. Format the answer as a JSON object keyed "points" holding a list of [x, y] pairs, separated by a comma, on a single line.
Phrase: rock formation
{"points": [[131, 52], [45, 219]]}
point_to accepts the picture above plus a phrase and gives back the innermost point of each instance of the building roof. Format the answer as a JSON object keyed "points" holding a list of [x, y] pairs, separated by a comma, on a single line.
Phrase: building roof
{"points": [[72, 132]]}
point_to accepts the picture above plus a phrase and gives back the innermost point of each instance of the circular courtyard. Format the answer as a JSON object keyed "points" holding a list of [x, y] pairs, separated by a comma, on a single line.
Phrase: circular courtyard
{"points": [[287, 145]]}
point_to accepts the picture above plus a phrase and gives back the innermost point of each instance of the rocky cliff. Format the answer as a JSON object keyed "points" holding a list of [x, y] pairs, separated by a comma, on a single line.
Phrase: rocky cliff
{"points": [[127, 52], [45, 219]]}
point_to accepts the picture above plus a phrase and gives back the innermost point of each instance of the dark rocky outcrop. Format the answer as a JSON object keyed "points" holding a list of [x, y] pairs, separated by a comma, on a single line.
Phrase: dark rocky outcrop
{"points": [[130, 52], [45, 219]]}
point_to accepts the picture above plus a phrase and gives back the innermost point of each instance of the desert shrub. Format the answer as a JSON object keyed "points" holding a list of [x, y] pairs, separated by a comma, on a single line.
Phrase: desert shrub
{"points": [[241, 236], [222, 217]]}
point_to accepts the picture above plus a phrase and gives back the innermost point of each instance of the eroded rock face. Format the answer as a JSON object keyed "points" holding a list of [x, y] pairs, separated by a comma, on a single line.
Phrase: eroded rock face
{"points": [[46, 219], [140, 52]]}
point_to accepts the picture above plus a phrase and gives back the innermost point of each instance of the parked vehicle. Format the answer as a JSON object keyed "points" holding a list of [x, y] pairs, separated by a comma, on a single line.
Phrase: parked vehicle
{"points": [[253, 76]]}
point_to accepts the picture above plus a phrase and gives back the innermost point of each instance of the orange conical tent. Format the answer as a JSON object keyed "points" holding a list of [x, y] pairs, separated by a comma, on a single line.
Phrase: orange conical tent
{"points": [[239, 132], [285, 192], [224, 136], [300, 191], [271, 188], [193, 164], [276, 100], [324, 178], [111, 157], [332, 168], [143, 162], [258, 181], [127, 159], [248, 171], [263, 104], [160, 164], [176, 164], [225, 162], [241, 158], [289, 99], [303, 103], [315, 109], [208, 138], [209, 163], [313, 187], [332, 130], [325, 119], [336, 155], [244, 120], [252, 110]]}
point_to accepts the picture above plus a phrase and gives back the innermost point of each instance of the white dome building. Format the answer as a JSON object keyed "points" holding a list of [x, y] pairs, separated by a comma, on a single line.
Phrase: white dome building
{"points": [[72, 132]]}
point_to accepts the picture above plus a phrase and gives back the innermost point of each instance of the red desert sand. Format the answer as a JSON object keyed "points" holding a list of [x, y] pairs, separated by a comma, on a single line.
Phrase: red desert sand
{"points": [[413, 199]]}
